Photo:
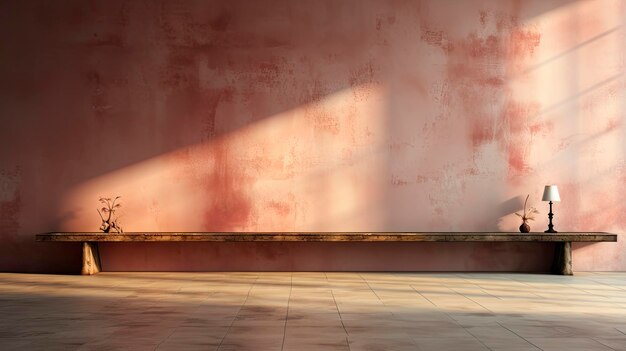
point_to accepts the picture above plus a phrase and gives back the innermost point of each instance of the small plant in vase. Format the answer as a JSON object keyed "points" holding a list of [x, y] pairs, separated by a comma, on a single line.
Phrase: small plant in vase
{"points": [[109, 208], [528, 215]]}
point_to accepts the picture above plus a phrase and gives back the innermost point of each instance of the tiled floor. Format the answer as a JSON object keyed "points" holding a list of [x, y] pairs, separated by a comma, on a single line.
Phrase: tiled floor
{"points": [[313, 311]]}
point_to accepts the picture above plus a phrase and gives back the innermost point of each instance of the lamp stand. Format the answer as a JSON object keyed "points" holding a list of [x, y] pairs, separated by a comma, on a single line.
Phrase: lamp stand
{"points": [[550, 226]]}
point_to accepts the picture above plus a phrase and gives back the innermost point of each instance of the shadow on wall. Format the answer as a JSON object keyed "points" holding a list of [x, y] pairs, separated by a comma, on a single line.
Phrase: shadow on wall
{"points": [[283, 116], [103, 86]]}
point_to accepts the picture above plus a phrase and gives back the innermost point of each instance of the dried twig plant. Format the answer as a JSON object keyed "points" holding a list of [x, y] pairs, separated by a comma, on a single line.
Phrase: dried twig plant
{"points": [[109, 208], [528, 215]]}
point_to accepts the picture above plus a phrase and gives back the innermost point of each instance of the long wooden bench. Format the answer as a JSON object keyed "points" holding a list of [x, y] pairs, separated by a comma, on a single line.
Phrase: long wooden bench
{"points": [[562, 262]]}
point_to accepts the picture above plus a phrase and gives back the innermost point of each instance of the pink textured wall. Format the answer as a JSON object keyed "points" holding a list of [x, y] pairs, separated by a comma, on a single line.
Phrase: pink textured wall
{"points": [[314, 116]]}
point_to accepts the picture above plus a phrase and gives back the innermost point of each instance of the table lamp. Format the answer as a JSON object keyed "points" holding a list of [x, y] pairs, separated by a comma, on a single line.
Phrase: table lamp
{"points": [[551, 193]]}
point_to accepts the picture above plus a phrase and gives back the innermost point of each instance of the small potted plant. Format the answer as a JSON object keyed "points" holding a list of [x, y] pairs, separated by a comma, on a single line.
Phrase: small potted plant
{"points": [[109, 208], [528, 215]]}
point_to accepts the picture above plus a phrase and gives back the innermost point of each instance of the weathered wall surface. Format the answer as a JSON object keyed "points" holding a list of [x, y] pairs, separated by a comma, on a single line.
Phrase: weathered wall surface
{"points": [[313, 116]]}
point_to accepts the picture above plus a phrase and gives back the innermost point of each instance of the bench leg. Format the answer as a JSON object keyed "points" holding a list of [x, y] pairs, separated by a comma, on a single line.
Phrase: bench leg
{"points": [[562, 263], [91, 259]]}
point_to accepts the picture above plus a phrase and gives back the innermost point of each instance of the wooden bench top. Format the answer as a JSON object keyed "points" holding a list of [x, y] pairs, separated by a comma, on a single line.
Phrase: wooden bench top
{"points": [[328, 236]]}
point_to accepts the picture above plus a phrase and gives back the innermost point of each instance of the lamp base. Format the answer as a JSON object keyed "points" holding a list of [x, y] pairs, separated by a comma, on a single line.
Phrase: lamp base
{"points": [[550, 226]]}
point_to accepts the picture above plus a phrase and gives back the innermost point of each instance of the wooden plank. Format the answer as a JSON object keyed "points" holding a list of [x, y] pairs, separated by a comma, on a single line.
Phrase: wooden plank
{"points": [[330, 237]]}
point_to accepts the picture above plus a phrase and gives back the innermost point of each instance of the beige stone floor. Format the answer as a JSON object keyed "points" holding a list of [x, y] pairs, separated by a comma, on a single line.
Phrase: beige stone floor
{"points": [[313, 311]]}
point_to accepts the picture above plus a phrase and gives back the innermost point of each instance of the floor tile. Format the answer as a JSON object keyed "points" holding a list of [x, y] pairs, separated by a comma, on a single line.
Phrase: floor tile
{"points": [[313, 311]]}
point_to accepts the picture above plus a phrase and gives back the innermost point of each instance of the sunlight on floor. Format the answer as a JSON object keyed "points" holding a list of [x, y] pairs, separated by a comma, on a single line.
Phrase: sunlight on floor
{"points": [[313, 311]]}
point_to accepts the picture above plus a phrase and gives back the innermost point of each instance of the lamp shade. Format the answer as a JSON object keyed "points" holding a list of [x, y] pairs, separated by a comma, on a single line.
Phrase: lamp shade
{"points": [[551, 193]]}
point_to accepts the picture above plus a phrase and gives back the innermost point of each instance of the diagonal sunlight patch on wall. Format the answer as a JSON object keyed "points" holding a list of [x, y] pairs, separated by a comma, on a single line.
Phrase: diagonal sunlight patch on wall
{"points": [[486, 102], [571, 130], [315, 167], [578, 141]]}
